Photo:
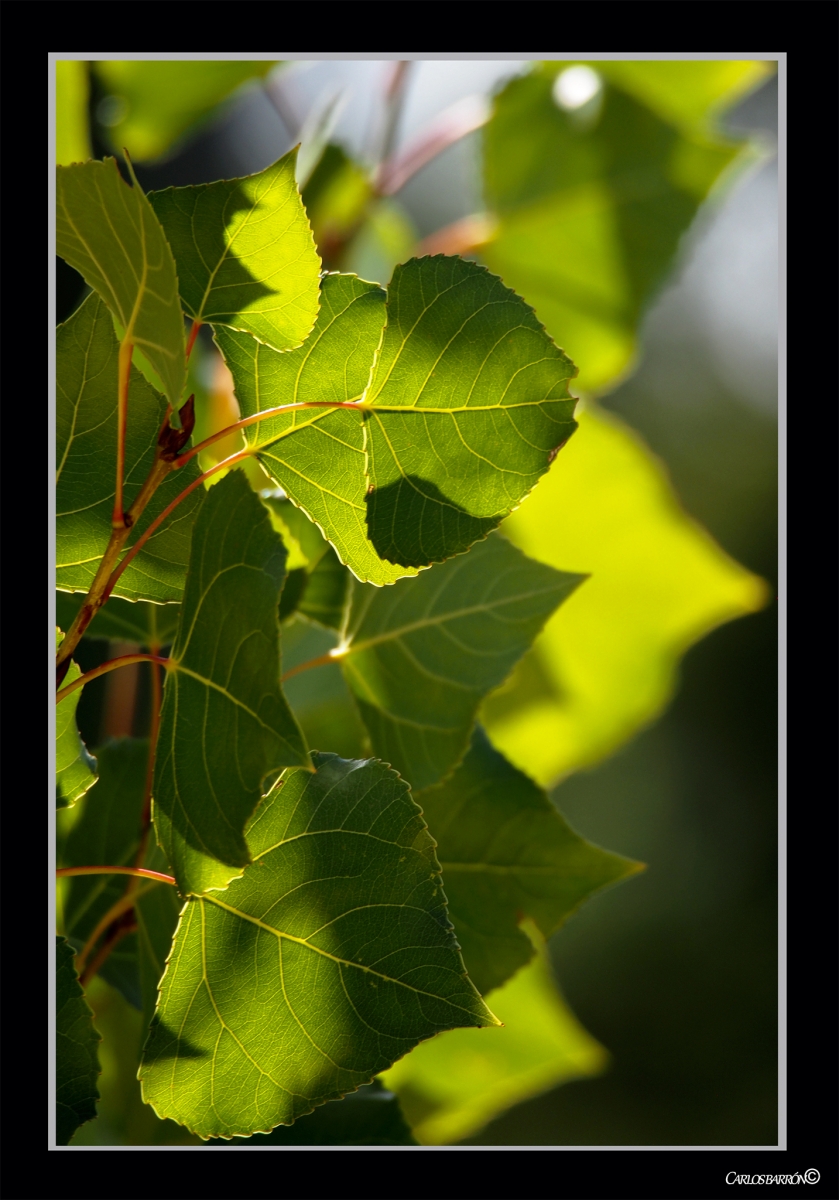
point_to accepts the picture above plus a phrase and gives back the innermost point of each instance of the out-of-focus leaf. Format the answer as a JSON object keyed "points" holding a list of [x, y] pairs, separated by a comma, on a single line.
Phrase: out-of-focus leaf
{"points": [[335, 197], [385, 239], [605, 664], [452, 1085], [107, 834], [369, 1117], [72, 136], [225, 723], [317, 455], [109, 232], [75, 769], [469, 405], [77, 1061], [119, 621], [591, 212], [507, 854], [328, 960], [420, 655], [688, 93], [245, 252], [150, 105], [87, 355]]}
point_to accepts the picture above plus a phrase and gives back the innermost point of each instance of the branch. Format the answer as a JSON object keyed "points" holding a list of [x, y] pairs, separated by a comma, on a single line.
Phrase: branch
{"points": [[124, 660], [158, 521], [448, 127], [461, 237]]}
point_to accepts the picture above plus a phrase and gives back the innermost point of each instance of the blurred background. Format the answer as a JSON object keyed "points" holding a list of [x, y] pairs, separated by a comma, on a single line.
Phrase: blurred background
{"points": [[674, 973]]}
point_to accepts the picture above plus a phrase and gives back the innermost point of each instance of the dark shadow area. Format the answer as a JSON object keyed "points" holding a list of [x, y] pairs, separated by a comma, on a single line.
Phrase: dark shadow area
{"points": [[412, 523], [369, 1117]]}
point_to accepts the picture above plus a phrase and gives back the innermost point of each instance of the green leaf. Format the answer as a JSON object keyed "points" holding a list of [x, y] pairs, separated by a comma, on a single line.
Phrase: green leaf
{"points": [[245, 252], [335, 197], [86, 436], [318, 585], [685, 93], [157, 915], [108, 231], [507, 854], [369, 1117], [108, 833], [453, 1085], [225, 723], [72, 137], [77, 1060], [119, 621], [470, 405], [317, 455], [327, 961], [75, 769], [605, 665], [150, 105], [421, 655], [592, 208]]}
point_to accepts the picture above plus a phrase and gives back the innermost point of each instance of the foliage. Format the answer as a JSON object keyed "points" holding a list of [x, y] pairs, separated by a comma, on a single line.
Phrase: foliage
{"points": [[318, 862]]}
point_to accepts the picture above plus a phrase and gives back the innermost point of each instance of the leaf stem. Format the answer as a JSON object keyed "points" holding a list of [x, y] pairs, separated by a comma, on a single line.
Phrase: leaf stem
{"points": [[321, 661], [193, 334], [158, 521], [97, 595], [266, 414], [156, 697], [112, 664], [126, 350], [143, 872], [126, 926]]}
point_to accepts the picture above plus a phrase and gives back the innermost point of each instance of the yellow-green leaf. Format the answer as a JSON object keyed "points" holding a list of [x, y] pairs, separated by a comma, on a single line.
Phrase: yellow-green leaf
{"points": [[245, 252], [150, 105], [452, 1085], [605, 664], [72, 138], [108, 231]]}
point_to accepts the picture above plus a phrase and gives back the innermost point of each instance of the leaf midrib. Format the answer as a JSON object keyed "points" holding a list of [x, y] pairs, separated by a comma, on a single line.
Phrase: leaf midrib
{"points": [[341, 962]]}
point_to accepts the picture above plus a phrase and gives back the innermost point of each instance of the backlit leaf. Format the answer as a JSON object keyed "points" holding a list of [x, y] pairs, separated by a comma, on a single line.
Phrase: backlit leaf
{"points": [[317, 455], [328, 960], [470, 405], [108, 231], [225, 723], [507, 854], [86, 429], [245, 252], [605, 664], [452, 1085], [421, 655], [77, 1059]]}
